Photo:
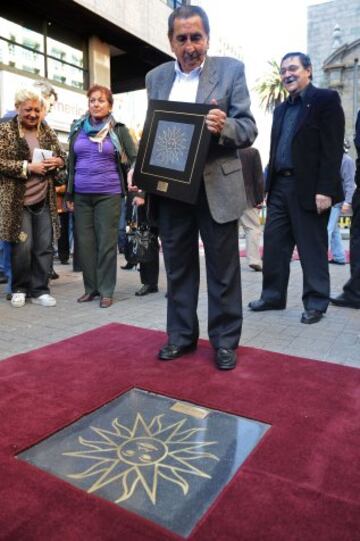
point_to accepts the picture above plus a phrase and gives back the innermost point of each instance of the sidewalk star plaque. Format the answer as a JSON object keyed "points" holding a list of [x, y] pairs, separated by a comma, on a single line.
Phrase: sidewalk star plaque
{"points": [[173, 149], [165, 459]]}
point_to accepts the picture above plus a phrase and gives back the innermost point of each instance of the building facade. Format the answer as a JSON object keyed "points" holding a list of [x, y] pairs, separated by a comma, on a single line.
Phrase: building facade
{"points": [[75, 43], [334, 48]]}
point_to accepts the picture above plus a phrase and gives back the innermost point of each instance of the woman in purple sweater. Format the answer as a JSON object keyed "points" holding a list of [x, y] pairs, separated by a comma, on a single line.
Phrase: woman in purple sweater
{"points": [[97, 146]]}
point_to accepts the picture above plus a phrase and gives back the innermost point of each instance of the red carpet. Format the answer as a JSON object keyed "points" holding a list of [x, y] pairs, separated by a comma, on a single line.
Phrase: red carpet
{"points": [[301, 483]]}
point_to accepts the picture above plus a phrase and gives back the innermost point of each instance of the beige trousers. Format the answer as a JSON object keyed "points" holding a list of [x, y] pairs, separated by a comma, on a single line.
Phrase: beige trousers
{"points": [[251, 224]]}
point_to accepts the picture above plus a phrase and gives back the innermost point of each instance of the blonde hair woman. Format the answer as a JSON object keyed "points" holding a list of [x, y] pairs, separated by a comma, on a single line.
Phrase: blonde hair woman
{"points": [[28, 216]]}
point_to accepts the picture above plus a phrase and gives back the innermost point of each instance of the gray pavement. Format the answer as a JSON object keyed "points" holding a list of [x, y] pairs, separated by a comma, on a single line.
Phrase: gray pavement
{"points": [[335, 339]]}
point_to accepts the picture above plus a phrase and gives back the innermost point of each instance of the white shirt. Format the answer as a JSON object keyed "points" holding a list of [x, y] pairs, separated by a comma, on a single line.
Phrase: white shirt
{"points": [[186, 85]]}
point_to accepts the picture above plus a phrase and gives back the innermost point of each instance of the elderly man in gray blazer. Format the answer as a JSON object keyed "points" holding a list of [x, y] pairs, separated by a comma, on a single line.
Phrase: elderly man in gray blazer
{"points": [[194, 77]]}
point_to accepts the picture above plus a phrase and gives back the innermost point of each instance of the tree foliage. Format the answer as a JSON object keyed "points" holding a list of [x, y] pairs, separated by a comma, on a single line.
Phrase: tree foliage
{"points": [[270, 89]]}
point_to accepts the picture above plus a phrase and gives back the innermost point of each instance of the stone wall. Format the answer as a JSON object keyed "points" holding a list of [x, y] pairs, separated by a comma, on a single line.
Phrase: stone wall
{"points": [[322, 19], [334, 47]]}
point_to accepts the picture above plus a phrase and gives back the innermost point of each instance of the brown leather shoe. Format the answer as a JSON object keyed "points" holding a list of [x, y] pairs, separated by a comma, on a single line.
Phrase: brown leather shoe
{"points": [[86, 298], [105, 302]]}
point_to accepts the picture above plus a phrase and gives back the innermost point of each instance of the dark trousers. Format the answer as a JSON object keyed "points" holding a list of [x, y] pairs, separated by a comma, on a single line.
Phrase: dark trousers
{"points": [[179, 226], [288, 224], [352, 286], [149, 272], [31, 258], [76, 259], [96, 226], [63, 241]]}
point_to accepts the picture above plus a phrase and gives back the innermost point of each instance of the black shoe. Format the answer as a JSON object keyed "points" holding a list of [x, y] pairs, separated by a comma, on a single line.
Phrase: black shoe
{"points": [[146, 289], [128, 266], [3, 278], [225, 359], [343, 300], [260, 306], [334, 262], [255, 267], [53, 275], [170, 351], [64, 261], [311, 316]]}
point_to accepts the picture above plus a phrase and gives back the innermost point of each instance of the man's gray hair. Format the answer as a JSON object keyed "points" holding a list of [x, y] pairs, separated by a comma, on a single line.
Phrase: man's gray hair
{"points": [[46, 89], [185, 12]]}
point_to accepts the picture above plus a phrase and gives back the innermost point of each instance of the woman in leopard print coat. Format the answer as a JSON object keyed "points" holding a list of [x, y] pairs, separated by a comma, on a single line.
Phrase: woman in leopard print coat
{"points": [[27, 194]]}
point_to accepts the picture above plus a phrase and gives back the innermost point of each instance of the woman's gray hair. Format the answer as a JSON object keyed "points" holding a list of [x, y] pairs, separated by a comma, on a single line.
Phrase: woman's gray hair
{"points": [[25, 94]]}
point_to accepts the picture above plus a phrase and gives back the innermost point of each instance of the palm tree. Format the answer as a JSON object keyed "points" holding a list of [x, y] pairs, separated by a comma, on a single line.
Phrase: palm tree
{"points": [[270, 89]]}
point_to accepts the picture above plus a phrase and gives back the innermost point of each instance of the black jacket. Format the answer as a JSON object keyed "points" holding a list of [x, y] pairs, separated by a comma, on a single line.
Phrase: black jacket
{"points": [[253, 175], [317, 147]]}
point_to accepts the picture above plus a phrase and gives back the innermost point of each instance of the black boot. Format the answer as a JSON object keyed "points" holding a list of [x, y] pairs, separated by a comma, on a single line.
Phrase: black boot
{"points": [[128, 266]]}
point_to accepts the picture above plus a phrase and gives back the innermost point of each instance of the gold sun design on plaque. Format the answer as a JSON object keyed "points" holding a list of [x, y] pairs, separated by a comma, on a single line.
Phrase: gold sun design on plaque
{"points": [[171, 145], [143, 455]]}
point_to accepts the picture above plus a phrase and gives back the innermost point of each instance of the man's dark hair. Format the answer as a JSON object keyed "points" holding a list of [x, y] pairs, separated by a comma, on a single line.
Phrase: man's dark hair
{"points": [[185, 12], [304, 59]]}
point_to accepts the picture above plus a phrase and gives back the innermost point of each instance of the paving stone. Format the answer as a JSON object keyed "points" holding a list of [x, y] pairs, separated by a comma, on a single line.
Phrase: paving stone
{"points": [[335, 339]]}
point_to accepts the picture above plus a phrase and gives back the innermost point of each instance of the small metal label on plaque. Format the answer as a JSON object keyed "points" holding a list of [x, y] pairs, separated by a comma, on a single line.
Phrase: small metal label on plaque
{"points": [[163, 459], [162, 186], [189, 409]]}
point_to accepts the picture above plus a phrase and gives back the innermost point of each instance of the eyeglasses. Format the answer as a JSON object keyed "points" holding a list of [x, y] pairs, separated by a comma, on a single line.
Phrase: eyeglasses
{"points": [[292, 69]]}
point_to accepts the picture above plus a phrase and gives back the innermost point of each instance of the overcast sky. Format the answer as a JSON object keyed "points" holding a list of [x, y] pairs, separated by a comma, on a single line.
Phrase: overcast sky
{"points": [[264, 30]]}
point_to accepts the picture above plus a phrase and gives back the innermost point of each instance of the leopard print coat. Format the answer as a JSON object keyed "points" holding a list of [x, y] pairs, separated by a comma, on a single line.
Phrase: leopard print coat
{"points": [[13, 151]]}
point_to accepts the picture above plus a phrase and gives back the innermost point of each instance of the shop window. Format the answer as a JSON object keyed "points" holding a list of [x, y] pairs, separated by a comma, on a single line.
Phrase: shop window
{"points": [[24, 49]]}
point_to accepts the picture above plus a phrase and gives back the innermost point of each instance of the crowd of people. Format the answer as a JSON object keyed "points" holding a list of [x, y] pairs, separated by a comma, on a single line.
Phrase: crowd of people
{"points": [[309, 182]]}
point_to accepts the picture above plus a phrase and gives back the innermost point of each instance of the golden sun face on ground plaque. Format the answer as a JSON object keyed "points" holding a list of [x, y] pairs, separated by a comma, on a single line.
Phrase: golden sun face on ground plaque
{"points": [[165, 459], [129, 458]]}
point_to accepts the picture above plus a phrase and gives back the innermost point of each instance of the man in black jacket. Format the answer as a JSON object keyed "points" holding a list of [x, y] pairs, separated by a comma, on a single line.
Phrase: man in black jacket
{"points": [[350, 297], [303, 182]]}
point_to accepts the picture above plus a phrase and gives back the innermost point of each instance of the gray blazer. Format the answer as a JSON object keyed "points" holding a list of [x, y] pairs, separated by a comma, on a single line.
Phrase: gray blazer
{"points": [[222, 79]]}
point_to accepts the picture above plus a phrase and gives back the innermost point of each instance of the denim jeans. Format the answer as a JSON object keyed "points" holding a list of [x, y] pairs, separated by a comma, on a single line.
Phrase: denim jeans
{"points": [[5, 262], [31, 258], [335, 240]]}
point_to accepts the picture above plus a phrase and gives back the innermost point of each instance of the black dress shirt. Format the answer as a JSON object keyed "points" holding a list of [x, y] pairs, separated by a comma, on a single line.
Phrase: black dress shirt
{"points": [[283, 158]]}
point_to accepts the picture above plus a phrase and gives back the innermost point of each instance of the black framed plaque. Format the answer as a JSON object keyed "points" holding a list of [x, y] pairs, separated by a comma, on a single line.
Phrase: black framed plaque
{"points": [[173, 149]]}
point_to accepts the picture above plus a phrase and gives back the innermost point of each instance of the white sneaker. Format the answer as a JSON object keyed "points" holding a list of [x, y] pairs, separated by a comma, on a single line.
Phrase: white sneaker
{"points": [[44, 300], [18, 300]]}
